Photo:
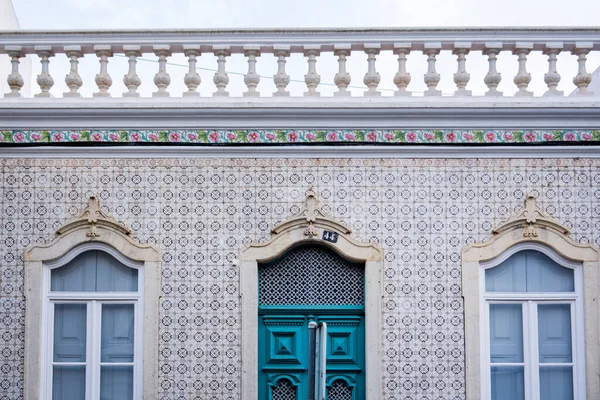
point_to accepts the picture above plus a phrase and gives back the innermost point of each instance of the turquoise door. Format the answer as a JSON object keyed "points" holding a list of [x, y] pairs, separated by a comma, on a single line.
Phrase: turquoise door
{"points": [[302, 287]]}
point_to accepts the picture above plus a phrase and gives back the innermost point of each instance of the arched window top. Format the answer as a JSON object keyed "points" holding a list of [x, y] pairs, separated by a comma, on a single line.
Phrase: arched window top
{"points": [[529, 271], [94, 271], [311, 275]]}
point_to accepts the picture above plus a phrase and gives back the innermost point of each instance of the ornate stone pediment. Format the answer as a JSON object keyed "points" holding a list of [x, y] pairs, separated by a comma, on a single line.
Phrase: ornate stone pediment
{"points": [[531, 218], [310, 225], [93, 216], [309, 216]]}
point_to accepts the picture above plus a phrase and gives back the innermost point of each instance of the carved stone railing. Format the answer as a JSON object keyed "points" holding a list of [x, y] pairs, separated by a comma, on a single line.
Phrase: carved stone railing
{"points": [[484, 43]]}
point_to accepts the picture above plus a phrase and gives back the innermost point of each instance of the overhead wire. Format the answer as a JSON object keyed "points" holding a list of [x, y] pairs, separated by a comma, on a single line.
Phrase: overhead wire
{"points": [[264, 76]]}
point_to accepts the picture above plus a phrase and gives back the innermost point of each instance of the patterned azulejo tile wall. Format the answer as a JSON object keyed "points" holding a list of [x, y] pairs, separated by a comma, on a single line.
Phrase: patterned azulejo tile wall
{"points": [[201, 212]]}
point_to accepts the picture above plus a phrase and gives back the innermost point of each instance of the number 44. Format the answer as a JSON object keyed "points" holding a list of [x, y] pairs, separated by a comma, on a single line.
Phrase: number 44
{"points": [[329, 236]]}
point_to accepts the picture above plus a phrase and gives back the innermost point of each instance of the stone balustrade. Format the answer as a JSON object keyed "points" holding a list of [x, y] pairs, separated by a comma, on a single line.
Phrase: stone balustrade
{"points": [[465, 45]]}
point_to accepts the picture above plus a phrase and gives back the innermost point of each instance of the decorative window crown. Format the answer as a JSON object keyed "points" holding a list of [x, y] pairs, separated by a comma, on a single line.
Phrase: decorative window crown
{"points": [[311, 215], [93, 216], [531, 218]]}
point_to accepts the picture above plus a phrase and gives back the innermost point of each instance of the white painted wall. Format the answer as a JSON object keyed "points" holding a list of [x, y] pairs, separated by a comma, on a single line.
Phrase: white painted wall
{"points": [[9, 21]]}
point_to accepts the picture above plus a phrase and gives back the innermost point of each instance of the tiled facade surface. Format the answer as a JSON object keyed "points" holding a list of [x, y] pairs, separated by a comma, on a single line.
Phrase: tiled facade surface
{"points": [[200, 213]]}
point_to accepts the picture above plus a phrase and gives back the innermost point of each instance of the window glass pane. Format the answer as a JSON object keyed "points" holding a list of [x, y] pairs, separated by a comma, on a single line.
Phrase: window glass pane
{"points": [[508, 383], [69, 332], [112, 276], [544, 275], [506, 333], [554, 333], [507, 276], [116, 383], [529, 271], [117, 333], [94, 271], [68, 382], [556, 383], [75, 276]]}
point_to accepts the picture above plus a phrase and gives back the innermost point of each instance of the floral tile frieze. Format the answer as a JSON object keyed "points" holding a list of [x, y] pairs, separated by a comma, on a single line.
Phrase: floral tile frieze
{"points": [[291, 136]]}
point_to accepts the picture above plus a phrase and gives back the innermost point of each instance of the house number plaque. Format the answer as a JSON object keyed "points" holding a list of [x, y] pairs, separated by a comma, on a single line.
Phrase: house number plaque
{"points": [[329, 236]]}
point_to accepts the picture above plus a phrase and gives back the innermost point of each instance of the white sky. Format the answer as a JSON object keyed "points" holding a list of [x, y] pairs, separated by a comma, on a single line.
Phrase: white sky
{"points": [[153, 14], [110, 14]]}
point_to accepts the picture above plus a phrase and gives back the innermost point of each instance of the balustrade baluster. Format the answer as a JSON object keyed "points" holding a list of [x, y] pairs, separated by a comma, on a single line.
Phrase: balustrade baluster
{"points": [[72, 79], [342, 79], [552, 78], [103, 79], [523, 77], [281, 79], [131, 80], [15, 80], [583, 78], [432, 78], [221, 79], [461, 77], [493, 77], [372, 77], [251, 79], [192, 78], [162, 79], [312, 79], [402, 78], [44, 79], [344, 44]]}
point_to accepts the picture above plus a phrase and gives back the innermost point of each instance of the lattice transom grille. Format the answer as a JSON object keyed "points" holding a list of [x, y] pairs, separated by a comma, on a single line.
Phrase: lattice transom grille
{"points": [[339, 390], [284, 391], [311, 276]]}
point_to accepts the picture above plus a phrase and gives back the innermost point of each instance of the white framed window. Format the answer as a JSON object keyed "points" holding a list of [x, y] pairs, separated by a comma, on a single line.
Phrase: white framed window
{"points": [[533, 336], [530, 289], [92, 312], [93, 325]]}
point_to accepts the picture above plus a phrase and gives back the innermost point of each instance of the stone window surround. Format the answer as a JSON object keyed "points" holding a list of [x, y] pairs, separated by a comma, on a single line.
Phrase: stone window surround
{"points": [[304, 229], [530, 228], [91, 229]]}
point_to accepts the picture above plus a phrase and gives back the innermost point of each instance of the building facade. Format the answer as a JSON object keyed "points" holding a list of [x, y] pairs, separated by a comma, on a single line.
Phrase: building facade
{"points": [[180, 248]]}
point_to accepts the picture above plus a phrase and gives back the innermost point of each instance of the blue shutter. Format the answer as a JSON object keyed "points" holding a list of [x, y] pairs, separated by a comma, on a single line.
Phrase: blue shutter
{"points": [[68, 381], [554, 333], [509, 276], [529, 271], [113, 276], [117, 346], [76, 276], [94, 271], [69, 332], [117, 333], [544, 275], [506, 333]]}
